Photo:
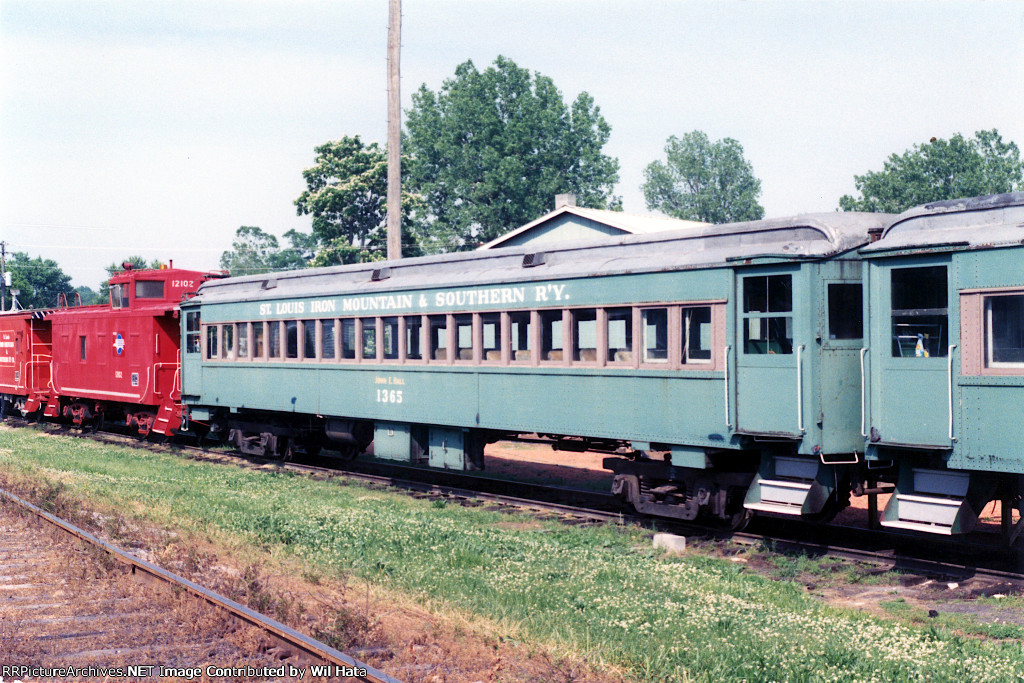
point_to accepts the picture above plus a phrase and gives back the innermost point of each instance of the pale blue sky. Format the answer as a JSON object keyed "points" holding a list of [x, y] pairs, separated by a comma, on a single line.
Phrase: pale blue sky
{"points": [[158, 127]]}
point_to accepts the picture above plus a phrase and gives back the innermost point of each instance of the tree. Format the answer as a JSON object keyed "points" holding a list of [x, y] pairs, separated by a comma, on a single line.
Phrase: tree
{"points": [[87, 296], [703, 181], [490, 150], [40, 280], [346, 194], [940, 169], [254, 251]]}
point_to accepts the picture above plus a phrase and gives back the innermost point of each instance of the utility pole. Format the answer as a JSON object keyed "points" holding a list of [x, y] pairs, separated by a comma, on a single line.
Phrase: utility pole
{"points": [[394, 205], [3, 276]]}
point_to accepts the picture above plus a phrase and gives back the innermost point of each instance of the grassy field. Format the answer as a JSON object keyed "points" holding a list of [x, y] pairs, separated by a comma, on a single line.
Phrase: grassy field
{"points": [[600, 592]]}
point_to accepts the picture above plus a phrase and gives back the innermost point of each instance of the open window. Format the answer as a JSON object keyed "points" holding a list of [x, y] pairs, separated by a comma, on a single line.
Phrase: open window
{"points": [[414, 337], [696, 334], [519, 333], [584, 335], [920, 312], [490, 337], [464, 337], [654, 326], [551, 336], [389, 340], [620, 335]]}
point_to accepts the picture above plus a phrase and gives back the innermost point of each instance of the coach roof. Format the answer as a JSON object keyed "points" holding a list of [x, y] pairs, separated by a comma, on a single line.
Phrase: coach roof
{"points": [[805, 237], [991, 221]]}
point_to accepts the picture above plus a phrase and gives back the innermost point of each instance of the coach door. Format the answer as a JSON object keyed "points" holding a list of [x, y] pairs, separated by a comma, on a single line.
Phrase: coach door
{"points": [[912, 352], [768, 362]]}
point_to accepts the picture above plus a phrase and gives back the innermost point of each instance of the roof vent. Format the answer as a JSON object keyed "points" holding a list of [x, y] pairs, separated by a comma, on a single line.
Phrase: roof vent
{"points": [[380, 274], [538, 258]]}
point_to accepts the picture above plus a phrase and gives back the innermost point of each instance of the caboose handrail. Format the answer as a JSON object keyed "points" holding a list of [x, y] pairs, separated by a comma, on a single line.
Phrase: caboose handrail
{"points": [[727, 415], [863, 392], [949, 374], [800, 389]]}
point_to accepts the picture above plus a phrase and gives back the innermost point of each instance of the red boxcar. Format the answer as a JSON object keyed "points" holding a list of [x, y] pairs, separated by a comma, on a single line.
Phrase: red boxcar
{"points": [[25, 353], [120, 360]]}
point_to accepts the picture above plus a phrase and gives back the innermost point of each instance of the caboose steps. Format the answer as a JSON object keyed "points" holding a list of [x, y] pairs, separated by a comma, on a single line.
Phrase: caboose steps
{"points": [[936, 501], [794, 486]]}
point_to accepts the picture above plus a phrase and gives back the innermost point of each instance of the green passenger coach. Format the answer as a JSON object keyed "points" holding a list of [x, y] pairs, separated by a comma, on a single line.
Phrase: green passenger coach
{"points": [[944, 378], [724, 360]]}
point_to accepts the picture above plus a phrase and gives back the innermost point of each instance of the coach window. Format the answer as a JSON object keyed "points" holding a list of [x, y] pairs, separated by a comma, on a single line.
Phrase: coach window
{"points": [[655, 335], [274, 339], [211, 341], [519, 329], [348, 339], [920, 313], [193, 333], [413, 337], [464, 338], [327, 349], [149, 289], [369, 338], [696, 334], [620, 335], [551, 336], [242, 332], [390, 338], [845, 311], [308, 339], [490, 337], [438, 337], [584, 335], [227, 340], [767, 329], [258, 340], [1004, 331]]}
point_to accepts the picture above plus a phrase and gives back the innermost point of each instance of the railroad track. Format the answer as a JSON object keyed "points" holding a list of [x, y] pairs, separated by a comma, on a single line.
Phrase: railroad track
{"points": [[989, 563], [68, 601]]}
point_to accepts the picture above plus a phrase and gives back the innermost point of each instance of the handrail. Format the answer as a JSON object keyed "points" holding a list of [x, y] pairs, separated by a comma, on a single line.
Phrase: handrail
{"points": [[949, 374], [863, 392], [727, 411], [800, 389]]}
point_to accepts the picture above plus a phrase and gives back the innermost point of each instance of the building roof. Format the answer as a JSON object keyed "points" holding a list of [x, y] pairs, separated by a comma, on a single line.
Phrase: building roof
{"points": [[624, 223]]}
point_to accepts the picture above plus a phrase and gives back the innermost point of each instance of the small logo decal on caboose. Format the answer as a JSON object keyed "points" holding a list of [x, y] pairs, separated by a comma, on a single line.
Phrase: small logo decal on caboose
{"points": [[119, 343]]}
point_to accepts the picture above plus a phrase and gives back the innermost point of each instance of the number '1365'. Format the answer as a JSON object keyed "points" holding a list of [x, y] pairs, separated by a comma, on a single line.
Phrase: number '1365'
{"points": [[389, 396]]}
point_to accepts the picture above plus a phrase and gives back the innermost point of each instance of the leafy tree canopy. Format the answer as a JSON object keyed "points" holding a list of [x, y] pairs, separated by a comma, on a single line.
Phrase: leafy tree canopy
{"points": [[937, 170], [254, 251], [87, 296], [40, 280], [346, 194], [702, 180], [490, 150]]}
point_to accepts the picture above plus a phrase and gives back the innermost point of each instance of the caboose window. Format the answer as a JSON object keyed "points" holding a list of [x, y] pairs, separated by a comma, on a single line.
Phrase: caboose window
{"points": [[1004, 331], [920, 312], [149, 289], [584, 335], [119, 296], [519, 326], [291, 339], [551, 335], [81, 347], [696, 328], [655, 332], [766, 330], [620, 335], [845, 311]]}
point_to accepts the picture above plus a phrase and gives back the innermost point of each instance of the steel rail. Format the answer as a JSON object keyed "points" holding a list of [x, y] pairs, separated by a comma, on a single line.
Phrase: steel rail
{"points": [[312, 649]]}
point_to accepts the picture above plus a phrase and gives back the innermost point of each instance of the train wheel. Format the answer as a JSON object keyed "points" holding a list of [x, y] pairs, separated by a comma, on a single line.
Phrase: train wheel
{"points": [[5, 407], [349, 452], [740, 520]]}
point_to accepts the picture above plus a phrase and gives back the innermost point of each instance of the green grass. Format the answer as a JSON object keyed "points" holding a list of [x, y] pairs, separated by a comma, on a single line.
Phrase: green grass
{"points": [[599, 592]]}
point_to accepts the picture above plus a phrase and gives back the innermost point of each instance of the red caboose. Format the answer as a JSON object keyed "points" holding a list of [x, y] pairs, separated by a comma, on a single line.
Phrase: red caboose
{"points": [[25, 352], [120, 360]]}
